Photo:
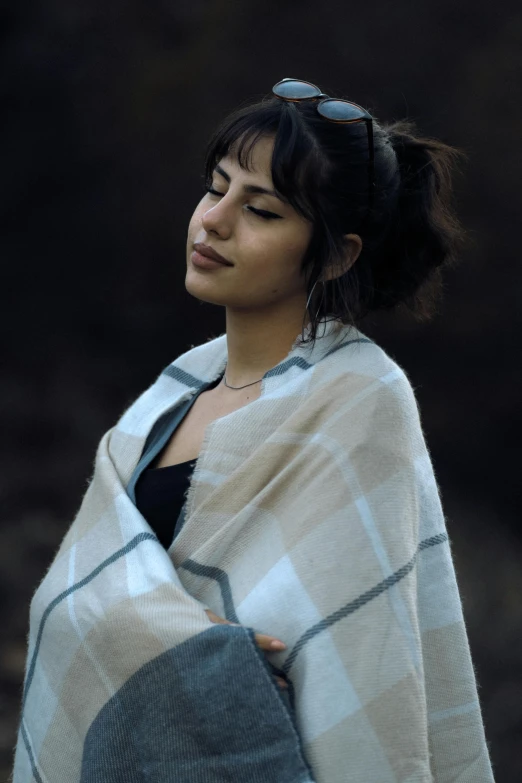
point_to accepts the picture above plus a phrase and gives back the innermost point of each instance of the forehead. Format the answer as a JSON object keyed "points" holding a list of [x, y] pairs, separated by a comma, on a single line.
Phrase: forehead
{"points": [[257, 164]]}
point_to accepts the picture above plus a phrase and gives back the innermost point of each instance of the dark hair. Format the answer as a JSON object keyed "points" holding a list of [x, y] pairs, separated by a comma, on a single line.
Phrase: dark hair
{"points": [[321, 168]]}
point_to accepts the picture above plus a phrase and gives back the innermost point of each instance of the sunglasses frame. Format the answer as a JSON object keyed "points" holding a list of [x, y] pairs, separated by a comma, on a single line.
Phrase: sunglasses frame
{"points": [[365, 117]]}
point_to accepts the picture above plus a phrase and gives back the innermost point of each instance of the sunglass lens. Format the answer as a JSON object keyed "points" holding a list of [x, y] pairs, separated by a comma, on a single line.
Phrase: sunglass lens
{"points": [[296, 90], [341, 111]]}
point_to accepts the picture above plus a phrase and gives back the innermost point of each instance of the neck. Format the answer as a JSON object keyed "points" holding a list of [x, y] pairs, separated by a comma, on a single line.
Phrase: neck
{"points": [[257, 341]]}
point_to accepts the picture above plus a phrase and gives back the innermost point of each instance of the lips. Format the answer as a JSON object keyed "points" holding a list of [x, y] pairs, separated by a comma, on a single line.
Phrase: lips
{"points": [[207, 251]]}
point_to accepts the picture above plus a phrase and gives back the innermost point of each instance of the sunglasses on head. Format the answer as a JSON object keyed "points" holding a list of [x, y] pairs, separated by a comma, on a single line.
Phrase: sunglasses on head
{"points": [[332, 109]]}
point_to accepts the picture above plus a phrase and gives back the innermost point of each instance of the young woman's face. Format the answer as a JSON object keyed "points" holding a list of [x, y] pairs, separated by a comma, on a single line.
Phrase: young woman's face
{"points": [[262, 237]]}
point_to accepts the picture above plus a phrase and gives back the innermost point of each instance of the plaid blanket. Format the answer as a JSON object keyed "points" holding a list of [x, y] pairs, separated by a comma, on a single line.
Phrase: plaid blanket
{"points": [[313, 515]]}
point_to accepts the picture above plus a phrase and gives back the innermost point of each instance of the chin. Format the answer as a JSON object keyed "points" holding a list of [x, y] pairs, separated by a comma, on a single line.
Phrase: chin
{"points": [[204, 292]]}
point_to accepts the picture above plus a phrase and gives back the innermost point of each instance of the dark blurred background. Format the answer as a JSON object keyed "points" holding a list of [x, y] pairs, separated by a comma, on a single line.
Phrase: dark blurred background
{"points": [[106, 108]]}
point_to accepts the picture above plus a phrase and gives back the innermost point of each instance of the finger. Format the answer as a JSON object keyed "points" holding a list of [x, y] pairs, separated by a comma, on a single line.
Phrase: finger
{"points": [[269, 643], [216, 619], [263, 640], [281, 682]]}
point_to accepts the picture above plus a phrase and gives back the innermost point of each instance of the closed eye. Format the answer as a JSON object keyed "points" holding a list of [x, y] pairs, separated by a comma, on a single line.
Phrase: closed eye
{"points": [[262, 213]]}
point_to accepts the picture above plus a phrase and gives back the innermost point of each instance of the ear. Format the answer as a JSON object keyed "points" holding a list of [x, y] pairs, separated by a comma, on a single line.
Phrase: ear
{"points": [[352, 252]]}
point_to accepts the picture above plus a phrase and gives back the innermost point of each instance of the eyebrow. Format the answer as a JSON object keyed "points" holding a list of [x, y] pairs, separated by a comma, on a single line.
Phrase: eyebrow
{"points": [[249, 188]]}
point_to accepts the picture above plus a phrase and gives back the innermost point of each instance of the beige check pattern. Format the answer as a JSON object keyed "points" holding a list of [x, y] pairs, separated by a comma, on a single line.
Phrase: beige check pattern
{"points": [[313, 515]]}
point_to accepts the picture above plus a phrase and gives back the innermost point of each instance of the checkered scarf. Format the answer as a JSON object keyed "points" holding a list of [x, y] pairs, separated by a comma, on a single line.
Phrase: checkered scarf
{"points": [[313, 515]]}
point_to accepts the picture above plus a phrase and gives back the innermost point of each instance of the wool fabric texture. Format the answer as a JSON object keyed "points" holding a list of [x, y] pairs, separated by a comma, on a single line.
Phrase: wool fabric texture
{"points": [[313, 515]]}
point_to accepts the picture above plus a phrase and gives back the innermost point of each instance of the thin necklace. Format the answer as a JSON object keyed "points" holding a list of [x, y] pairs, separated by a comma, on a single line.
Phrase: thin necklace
{"points": [[254, 382], [238, 387]]}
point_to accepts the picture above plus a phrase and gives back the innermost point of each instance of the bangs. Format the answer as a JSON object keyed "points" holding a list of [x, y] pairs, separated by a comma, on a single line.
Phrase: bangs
{"points": [[297, 165]]}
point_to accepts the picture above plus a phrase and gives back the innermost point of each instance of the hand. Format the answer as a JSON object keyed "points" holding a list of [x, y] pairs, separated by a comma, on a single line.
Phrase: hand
{"points": [[265, 642]]}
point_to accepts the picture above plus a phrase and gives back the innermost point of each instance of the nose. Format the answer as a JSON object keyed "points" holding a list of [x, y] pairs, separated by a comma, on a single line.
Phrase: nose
{"points": [[218, 219]]}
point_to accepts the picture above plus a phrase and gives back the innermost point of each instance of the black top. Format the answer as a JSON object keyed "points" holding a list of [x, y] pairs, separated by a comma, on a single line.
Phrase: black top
{"points": [[160, 492], [160, 496]]}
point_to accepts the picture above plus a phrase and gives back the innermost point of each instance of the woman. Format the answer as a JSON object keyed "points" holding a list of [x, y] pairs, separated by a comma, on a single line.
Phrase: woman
{"points": [[311, 518]]}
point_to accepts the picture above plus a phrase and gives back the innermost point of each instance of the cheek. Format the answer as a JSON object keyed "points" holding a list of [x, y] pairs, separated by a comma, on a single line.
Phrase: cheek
{"points": [[277, 256], [295, 247]]}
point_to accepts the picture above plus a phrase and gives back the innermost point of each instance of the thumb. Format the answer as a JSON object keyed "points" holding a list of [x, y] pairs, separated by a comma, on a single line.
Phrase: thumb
{"points": [[216, 619]]}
